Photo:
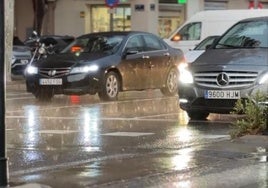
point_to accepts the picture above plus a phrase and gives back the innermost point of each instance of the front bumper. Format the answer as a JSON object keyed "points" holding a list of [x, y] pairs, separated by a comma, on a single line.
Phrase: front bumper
{"points": [[192, 98], [78, 84]]}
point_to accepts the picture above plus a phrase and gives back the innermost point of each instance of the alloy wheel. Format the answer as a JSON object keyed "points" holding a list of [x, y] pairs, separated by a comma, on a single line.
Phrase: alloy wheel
{"points": [[112, 86]]}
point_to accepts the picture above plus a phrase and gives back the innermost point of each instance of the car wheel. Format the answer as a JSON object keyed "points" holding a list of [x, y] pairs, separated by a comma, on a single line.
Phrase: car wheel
{"points": [[197, 115], [110, 87], [43, 94], [171, 87]]}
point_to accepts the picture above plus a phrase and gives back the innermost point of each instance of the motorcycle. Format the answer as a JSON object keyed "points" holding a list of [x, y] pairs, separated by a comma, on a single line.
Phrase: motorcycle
{"points": [[40, 49]]}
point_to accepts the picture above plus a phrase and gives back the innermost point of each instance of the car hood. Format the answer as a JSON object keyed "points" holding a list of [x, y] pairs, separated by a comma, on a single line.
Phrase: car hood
{"points": [[192, 55], [69, 60], [256, 56]]}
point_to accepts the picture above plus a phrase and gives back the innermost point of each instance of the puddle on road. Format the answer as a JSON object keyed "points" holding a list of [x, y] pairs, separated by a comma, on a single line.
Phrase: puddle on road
{"points": [[261, 155]]}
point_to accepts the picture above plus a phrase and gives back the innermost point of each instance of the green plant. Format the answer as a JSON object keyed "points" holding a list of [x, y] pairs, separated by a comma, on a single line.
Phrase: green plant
{"points": [[253, 120]]}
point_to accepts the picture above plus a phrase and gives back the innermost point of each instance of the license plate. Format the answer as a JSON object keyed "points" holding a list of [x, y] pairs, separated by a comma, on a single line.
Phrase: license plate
{"points": [[50, 81], [222, 94]]}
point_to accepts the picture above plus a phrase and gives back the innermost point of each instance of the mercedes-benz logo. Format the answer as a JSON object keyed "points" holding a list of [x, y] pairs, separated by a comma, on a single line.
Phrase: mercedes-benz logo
{"points": [[222, 79], [52, 73]]}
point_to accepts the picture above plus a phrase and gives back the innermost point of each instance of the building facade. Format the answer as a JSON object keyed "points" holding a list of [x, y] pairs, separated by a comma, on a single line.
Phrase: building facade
{"points": [[76, 17]]}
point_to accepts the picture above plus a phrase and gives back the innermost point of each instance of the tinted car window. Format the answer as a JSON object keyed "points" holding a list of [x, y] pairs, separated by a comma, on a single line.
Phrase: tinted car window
{"points": [[95, 44], [152, 43], [246, 34], [135, 43]]}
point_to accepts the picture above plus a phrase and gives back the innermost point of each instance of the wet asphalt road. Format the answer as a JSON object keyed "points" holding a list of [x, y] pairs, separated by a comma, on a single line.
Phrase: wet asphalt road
{"points": [[142, 140]]}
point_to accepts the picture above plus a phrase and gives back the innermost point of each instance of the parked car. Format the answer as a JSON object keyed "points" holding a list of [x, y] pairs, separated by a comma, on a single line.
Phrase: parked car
{"points": [[107, 63], [200, 48], [235, 67], [21, 56]]}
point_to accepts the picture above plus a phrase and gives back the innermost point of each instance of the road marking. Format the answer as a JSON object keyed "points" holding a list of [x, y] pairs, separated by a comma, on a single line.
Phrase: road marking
{"points": [[57, 131], [94, 119], [129, 134], [71, 164], [20, 98], [214, 136]]}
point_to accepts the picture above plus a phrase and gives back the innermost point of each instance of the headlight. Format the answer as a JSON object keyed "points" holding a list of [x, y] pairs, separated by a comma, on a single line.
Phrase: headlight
{"points": [[186, 76], [85, 69], [41, 50], [31, 70], [13, 59], [263, 79]]}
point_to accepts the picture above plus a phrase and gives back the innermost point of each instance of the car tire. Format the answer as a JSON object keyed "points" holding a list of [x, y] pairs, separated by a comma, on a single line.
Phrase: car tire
{"points": [[43, 94], [110, 87], [198, 115], [171, 85]]}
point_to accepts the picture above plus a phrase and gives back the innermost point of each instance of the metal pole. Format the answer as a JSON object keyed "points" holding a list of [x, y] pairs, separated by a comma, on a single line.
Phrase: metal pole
{"points": [[256, 4], [111, 11], [3, 159]]}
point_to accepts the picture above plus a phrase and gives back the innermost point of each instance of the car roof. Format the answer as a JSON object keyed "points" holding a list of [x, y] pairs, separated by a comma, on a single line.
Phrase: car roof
{"points": [[106, 33], [262, 18], [57, 36]]}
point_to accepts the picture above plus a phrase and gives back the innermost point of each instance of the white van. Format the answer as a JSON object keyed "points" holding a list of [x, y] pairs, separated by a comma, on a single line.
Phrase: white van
{"points": [[207, 23]]}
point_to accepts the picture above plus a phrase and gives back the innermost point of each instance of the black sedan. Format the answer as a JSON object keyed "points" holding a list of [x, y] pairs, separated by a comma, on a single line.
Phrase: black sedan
{"points": [[107, 63]]}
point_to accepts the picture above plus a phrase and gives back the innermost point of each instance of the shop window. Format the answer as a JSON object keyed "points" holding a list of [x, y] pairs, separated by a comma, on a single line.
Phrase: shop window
{"points": [[101, 19], [171, 16], [122, 19]]}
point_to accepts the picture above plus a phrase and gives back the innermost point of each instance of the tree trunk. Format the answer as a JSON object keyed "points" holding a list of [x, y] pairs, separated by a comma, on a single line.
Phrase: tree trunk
{"points": [[39, 7]]}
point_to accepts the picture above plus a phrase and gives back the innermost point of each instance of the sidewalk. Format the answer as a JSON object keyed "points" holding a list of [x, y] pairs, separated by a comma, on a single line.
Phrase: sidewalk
{"points": [[20, 84]]}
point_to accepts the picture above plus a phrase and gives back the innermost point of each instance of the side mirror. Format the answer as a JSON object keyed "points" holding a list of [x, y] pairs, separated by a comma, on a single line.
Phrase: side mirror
{"points": [[208, 46], [130, 51]]}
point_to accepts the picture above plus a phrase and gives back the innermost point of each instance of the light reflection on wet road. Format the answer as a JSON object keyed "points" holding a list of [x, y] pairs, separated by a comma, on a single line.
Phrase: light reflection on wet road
{"points": [[85, 142]]}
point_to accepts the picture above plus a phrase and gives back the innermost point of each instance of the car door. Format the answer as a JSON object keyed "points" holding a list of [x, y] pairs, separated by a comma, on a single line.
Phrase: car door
{"points": [[132, 67], [158, 60]]}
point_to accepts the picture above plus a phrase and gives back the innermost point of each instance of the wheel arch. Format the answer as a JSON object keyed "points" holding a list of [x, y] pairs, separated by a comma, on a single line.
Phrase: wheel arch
{"points": [[113, 69]]}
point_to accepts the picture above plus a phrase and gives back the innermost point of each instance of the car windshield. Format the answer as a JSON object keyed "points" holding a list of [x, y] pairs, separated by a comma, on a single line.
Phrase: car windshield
{"points": [[249, 34], [95, 44]]}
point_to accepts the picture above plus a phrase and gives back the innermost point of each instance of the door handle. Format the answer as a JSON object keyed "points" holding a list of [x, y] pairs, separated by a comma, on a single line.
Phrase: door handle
{"points": [[145, 57], [166, 54]]}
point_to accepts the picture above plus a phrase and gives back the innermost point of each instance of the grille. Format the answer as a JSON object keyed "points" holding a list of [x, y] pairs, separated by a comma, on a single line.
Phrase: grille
{"points": [[235, 79], [54, 72]]}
